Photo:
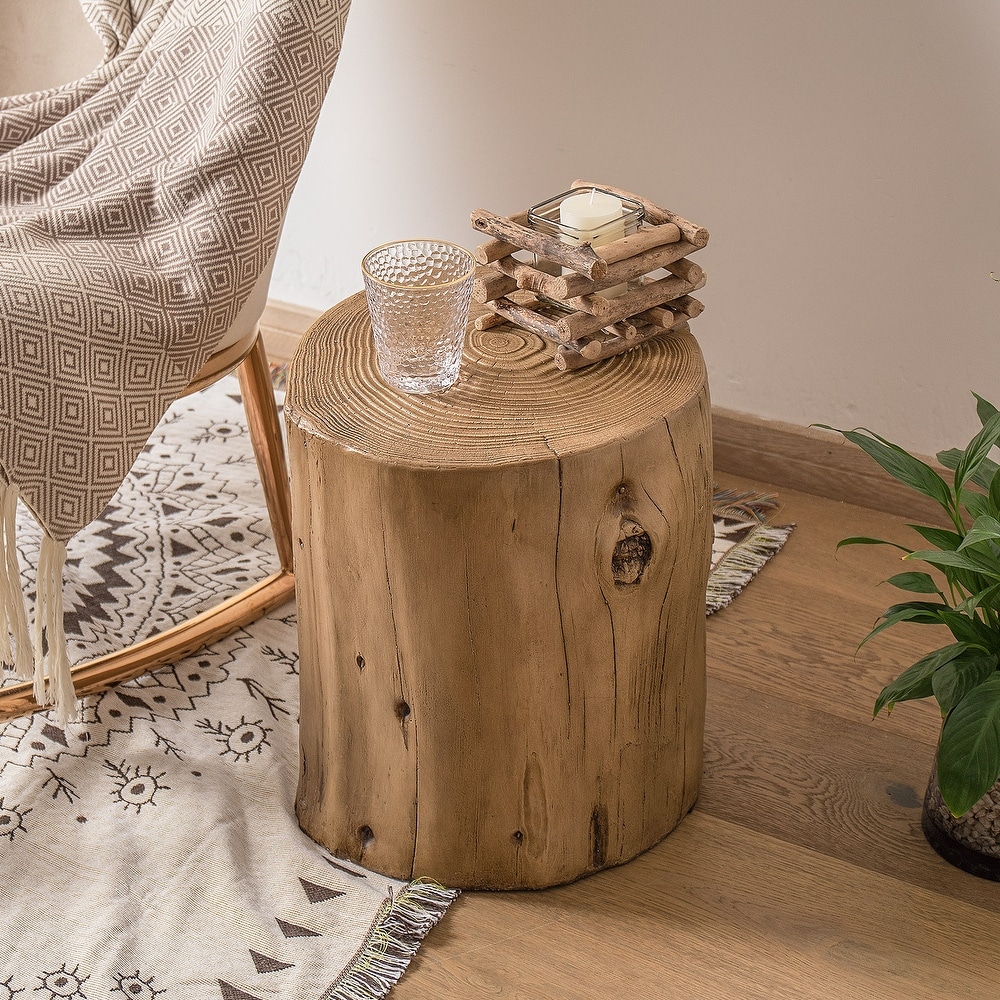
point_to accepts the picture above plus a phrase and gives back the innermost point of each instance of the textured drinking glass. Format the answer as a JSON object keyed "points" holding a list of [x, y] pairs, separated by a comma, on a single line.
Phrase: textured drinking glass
{"points": [[418, 296]]}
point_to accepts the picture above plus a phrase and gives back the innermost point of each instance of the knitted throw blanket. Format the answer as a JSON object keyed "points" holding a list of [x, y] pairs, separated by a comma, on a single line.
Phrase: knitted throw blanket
{"points": [[138, 207]]}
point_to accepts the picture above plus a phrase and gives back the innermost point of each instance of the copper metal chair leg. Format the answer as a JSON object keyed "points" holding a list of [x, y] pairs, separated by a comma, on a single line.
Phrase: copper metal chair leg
{"points": [[187, 637]]}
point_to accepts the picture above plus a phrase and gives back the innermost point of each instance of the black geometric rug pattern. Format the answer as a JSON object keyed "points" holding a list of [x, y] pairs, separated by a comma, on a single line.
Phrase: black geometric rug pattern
{"points": [[151, 849]]}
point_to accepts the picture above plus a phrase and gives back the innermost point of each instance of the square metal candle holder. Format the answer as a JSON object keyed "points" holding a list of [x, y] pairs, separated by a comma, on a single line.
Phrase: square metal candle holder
{"points": [[544, 217]]}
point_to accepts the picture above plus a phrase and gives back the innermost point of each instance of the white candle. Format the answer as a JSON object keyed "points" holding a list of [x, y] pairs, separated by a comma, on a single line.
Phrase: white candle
{"points": [[588, 212]]}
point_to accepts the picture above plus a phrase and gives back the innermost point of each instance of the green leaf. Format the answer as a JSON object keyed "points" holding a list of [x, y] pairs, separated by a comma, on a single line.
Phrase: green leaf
{"points": [[918, 612], [916, 681], [916, 583], [963, 628], [902, 466], [978, 504], [984, 409], [983, 599], [994, 489], [970, 630], [951, 458], [969, 560], [861, 540], [949, 541], [923, 607], [986, 473], [939, 537], [984, 529], [968, 758], [977, 450], [953, 681]]}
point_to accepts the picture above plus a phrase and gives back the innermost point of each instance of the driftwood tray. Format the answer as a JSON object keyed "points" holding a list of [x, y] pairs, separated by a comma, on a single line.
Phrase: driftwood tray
{"points": [[539, 282]]}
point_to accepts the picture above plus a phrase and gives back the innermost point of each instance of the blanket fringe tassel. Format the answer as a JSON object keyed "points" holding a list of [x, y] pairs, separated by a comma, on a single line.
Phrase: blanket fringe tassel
{"points": [[51, 654], [400, 926], [33, 654], [742, 563], [16, 658]]}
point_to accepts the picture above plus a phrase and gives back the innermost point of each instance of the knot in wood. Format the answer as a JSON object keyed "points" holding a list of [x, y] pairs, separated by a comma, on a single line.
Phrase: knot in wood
{"points": [[631, 555]]}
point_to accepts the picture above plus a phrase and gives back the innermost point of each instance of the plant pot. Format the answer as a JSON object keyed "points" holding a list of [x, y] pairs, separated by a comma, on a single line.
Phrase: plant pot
{"points": [[971, 841]]}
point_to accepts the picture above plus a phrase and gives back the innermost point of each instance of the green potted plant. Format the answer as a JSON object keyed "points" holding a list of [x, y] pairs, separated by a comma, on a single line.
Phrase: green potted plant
{"points": [[961, 815]]}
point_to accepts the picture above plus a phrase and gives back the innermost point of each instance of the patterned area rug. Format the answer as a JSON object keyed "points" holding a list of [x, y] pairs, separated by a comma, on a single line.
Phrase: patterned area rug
{"points": [[151, 849], [743, 543]]}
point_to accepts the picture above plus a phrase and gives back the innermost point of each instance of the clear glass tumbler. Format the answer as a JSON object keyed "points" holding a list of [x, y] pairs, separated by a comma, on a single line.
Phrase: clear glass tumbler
{"points": [[418, 296]]}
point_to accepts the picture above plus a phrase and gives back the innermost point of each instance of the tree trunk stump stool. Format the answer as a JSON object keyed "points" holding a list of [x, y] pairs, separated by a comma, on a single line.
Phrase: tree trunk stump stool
{"points": [[501, 601]]}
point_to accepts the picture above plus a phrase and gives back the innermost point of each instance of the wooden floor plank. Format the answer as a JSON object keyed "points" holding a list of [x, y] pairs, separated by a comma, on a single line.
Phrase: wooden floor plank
{"points": [[796, 632], [851, 790], [716, 910]]}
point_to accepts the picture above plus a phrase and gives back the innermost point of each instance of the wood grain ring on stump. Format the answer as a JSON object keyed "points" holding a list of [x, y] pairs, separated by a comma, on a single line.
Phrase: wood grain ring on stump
{"points": [[501, 601]]}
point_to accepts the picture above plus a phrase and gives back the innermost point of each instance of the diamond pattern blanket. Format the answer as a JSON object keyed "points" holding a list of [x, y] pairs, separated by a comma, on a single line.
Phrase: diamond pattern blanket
{"points": [[138, 207]]}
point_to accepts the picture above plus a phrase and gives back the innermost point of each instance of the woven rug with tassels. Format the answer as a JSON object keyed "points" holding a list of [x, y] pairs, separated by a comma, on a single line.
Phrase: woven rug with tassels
{"points": [[152, 850], [743, 543]]}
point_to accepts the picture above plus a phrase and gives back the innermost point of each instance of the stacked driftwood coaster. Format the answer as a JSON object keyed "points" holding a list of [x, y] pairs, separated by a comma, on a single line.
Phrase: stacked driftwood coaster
{"points": [[568, 308]]}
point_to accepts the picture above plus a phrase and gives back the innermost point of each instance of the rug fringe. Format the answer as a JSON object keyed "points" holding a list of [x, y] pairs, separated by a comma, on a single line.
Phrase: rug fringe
{"points": [[400, 926], [742, 563]]}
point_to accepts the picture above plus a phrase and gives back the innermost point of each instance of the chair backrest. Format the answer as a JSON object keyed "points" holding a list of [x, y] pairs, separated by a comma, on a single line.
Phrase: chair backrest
{"points": [[46, 43], [165, 205], [249, 316]]}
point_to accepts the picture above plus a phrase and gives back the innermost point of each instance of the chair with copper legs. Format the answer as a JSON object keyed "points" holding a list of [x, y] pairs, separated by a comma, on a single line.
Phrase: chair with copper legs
{"points": [[248, 357]]}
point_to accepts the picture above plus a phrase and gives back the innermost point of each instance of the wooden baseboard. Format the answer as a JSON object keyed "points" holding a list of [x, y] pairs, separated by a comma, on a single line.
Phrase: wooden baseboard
{"points": [[282, 326], [813, 461], [780, 454]]}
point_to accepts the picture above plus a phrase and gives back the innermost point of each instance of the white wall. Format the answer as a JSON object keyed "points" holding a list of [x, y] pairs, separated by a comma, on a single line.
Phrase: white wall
{"points": [[843, 155], [44, 43]]}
